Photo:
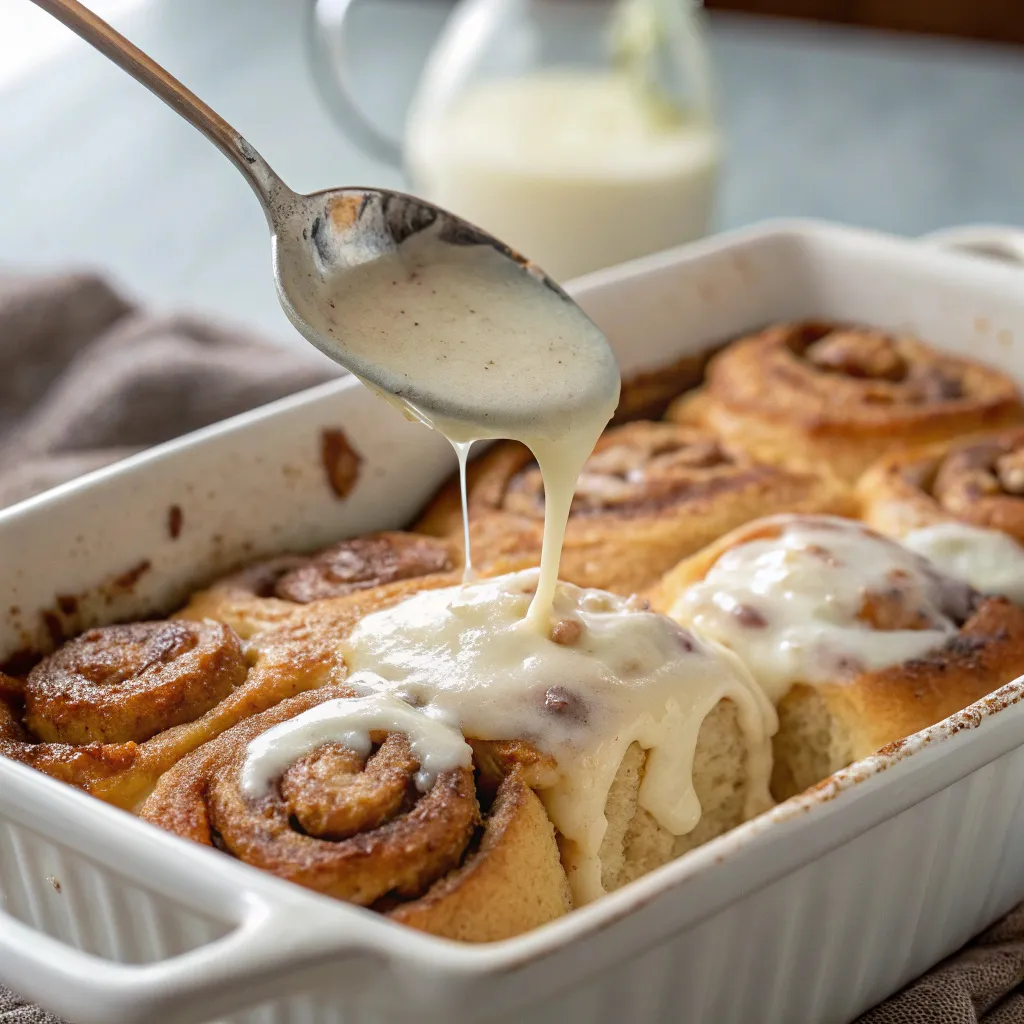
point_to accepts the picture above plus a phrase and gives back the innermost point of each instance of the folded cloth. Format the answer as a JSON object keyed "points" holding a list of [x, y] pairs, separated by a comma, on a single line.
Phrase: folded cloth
{"points": [[86, 378], [983, 982]]}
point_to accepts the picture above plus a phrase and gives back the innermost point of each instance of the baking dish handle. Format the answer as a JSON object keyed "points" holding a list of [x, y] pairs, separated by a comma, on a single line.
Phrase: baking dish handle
{"points": [[992, 241], [249, 965]]}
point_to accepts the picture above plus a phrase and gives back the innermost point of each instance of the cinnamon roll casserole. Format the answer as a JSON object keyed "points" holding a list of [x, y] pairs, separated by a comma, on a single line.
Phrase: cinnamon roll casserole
{"points": [[742, 610]]}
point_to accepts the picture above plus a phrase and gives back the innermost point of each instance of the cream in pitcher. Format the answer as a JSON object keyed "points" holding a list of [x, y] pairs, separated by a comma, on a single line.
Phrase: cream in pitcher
{"points": [[569, 166], [581, 134]]}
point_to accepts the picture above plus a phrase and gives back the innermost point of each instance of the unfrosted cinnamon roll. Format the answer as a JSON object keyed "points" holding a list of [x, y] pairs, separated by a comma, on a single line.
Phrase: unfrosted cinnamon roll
{"points": [[365, 821], [264, 595], [859, 641], [960, 503], [650, 494], [646, 395], [844, 395], [114, 708]]}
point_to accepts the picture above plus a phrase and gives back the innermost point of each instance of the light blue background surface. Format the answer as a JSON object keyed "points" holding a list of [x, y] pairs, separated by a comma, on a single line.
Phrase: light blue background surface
{"points": [[891, 132]]}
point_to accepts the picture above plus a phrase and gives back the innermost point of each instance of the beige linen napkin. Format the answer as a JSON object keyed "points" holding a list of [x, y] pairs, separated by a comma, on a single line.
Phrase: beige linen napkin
{"points": [[86, 378]]}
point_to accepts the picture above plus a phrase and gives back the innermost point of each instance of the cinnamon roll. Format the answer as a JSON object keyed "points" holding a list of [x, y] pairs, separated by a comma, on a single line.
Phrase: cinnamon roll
{"points": [[371, 801], [114, 708], [646, 395], [660, 742], [650, 494], [266, 594], [859, 641], [960, 503], [844, 395]]}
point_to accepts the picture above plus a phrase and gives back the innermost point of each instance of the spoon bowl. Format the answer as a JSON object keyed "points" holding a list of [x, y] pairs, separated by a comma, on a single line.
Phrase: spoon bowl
{"points": [[319, 238]]}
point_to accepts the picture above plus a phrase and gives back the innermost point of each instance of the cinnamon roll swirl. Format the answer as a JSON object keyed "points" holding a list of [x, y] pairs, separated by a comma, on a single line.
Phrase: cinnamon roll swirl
{"points": [[367, 823], [111, 710], [960, 503], [859, 641], [650, 494], [266, 594], [844, 395]]}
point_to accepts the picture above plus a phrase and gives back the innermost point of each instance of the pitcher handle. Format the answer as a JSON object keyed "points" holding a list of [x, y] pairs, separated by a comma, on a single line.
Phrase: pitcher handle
{"points": [[332, 71]]}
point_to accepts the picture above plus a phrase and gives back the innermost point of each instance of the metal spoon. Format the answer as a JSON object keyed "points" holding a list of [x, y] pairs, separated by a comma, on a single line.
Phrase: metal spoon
{"points": [[314, 236]]}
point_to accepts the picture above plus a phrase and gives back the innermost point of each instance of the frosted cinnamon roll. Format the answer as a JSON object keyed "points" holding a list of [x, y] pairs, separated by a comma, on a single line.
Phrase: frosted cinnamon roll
{"points": [[112, 709], [858, 641], [959, 503], [844, 395], [265, 595], [367, 799], [659, 742], [650, 494]]}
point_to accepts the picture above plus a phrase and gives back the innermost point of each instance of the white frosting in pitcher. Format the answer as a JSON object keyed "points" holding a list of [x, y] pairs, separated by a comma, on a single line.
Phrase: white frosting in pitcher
{"points": [[611, 673], [989, 560], [815, 602], [436, 745]]}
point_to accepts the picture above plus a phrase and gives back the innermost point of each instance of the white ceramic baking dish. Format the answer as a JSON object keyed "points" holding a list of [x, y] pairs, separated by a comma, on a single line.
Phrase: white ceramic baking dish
{"points": [[811, 913]]}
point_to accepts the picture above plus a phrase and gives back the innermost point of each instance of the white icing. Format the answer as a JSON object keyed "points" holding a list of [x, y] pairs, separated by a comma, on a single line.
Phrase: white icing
{"points": [[790, 606], [462, 453], [466, 656], [435, 744], [989, 560], [475, 347]]}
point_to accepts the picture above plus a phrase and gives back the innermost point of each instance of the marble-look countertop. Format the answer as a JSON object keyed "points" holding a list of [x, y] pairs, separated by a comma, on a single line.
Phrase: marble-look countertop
{"points": [[891, 132]]}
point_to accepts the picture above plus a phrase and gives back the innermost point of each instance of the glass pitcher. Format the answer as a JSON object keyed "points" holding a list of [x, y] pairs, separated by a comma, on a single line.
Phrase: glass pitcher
{"points": [[580, 132]]}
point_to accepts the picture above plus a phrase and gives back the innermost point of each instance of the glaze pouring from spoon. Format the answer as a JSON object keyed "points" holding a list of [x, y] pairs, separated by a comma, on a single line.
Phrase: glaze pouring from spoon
{"points": [[462, 335], [431, 312]]}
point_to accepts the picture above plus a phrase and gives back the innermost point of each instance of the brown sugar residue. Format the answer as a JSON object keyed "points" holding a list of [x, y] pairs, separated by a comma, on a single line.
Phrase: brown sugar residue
{"points": [[340, 460], [175, 518], [344, 211], [126, 581], [20, 662], [54, 627], [67, 615]]}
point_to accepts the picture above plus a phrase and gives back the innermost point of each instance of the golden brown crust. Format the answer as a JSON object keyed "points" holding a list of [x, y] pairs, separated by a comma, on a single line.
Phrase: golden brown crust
{"points": [[976, 480], [435, 861], [130, 682], [843, 395], [650, 494], [512, 882], [362, 563], [123, 773], [881, 707], [263, 596]]}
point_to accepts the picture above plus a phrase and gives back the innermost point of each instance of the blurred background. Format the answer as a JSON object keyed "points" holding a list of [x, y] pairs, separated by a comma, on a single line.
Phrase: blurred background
{"points": [[901, 115]]}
